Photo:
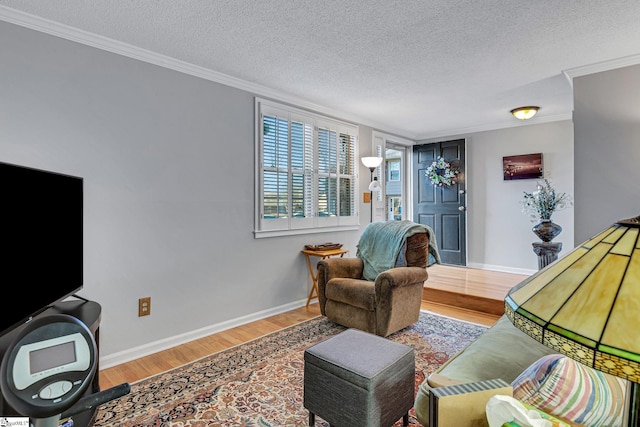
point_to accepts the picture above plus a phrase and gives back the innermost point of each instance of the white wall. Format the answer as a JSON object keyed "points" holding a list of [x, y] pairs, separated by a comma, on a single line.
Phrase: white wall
{"points": [[499, 235], [494, 204]]}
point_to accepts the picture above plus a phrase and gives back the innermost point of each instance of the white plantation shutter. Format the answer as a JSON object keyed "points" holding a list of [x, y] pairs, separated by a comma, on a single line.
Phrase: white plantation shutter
{"points": [[378, 200], [301, 172], [307, 177], [348, 177], [275, 182], [327, 176]]}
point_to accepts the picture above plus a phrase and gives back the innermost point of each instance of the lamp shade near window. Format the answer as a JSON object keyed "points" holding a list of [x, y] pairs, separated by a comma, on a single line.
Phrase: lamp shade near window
{"points": [[525, 113], [371, 162], [586, 304]]}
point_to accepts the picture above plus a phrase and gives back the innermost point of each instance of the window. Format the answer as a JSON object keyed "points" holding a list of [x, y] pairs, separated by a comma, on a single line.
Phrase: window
{"points": [[394, 169], [307, 171]]}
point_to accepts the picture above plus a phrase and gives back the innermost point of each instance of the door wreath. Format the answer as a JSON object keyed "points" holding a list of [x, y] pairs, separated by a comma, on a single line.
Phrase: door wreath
{"points": [[441, 174]]}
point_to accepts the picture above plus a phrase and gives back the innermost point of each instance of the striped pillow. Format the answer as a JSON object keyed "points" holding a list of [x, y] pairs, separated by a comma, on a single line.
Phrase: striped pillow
{"points": [[565, 388]]}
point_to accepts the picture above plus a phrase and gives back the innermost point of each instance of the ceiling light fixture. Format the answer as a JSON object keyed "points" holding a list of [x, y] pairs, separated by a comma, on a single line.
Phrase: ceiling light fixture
{"points": [[524, 113]]}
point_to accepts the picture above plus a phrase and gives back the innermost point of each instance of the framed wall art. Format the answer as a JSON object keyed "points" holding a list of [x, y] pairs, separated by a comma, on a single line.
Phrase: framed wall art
{"points": [[523, 166]]}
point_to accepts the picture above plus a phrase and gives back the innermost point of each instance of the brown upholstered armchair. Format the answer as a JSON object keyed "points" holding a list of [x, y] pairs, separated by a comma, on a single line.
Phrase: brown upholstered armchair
{"points": [[353, 292]]}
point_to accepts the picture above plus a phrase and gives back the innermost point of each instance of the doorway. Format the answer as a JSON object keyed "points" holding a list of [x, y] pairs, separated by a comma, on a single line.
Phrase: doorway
{"points": [[394, 181], [443, 208], [394, 202]]}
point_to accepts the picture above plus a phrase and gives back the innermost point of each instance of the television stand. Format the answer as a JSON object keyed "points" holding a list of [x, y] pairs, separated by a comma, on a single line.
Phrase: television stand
{"points": [[89, 313]]}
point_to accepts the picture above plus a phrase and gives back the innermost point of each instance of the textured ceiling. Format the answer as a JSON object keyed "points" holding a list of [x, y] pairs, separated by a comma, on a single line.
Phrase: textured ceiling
{"points": [[419, 68]]}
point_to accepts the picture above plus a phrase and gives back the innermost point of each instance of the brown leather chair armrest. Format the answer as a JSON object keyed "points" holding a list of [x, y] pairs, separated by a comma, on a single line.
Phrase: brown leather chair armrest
{"points": [[329, 268], [350, 268], [397, 277], [398, 294]]}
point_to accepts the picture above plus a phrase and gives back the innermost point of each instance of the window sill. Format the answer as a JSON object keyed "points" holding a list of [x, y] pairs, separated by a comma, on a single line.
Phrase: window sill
{"points": [[278, 233]]}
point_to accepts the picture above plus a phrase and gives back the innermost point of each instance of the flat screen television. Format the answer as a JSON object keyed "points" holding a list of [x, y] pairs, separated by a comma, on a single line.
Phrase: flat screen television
{"points": [[41, 227]]}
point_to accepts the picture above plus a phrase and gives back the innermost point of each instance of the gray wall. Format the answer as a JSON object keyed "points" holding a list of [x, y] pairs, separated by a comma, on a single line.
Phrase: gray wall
{"points": [[607, 149], [168, 167]]}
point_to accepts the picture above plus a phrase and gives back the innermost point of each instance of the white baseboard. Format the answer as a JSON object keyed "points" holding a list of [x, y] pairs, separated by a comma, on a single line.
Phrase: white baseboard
{"points": [[128, 355], [111, 360], [502, 269]]}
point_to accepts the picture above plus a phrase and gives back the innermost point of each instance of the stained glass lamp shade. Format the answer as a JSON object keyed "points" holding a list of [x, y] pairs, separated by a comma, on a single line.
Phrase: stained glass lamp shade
{"points": [[586, 305]]}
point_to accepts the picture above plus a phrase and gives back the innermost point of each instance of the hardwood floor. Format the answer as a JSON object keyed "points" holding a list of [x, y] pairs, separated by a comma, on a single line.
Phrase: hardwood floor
{"points": [[449, 291], [479, 290]]}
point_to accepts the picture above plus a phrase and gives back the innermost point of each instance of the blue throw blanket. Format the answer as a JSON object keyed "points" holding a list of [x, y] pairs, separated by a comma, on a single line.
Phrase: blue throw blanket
{"points": [[381, 243]]}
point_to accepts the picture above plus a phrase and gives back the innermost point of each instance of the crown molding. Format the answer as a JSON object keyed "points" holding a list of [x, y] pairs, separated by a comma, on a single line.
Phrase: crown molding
{"points": [[496, 126], [602, 66], [66, 32], [77, 35]]}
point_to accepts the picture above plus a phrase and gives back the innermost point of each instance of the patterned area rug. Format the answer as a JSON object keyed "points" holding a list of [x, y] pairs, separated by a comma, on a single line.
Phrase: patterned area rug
{"points": [[260, 383]]}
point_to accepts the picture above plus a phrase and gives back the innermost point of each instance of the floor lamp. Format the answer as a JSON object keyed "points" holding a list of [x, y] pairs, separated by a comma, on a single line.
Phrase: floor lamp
{"points": [[585, 306], [372, 163]]}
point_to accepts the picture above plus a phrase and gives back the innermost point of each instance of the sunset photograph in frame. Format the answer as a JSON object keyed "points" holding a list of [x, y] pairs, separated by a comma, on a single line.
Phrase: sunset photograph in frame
{"points": [[524, 166]]}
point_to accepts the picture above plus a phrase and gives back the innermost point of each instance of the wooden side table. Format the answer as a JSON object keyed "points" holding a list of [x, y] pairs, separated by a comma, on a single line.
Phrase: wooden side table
{"points": [[314, 275]]}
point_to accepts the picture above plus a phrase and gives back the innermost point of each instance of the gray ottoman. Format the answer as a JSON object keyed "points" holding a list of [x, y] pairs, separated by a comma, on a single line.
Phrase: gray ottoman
{"points": [[359, 379]]}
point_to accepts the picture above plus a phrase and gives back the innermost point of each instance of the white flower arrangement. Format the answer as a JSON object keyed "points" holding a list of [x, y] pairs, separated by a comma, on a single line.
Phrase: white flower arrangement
{"points": [[441, 174], [543, 202]]}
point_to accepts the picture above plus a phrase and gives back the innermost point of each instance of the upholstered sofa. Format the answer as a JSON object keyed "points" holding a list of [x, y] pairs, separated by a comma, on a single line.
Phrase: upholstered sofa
{"points": [[505, 352]]}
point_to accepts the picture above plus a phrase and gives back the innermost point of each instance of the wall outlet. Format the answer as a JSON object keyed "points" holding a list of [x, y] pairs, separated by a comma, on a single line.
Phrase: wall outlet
{"points": [[144, 306]]}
